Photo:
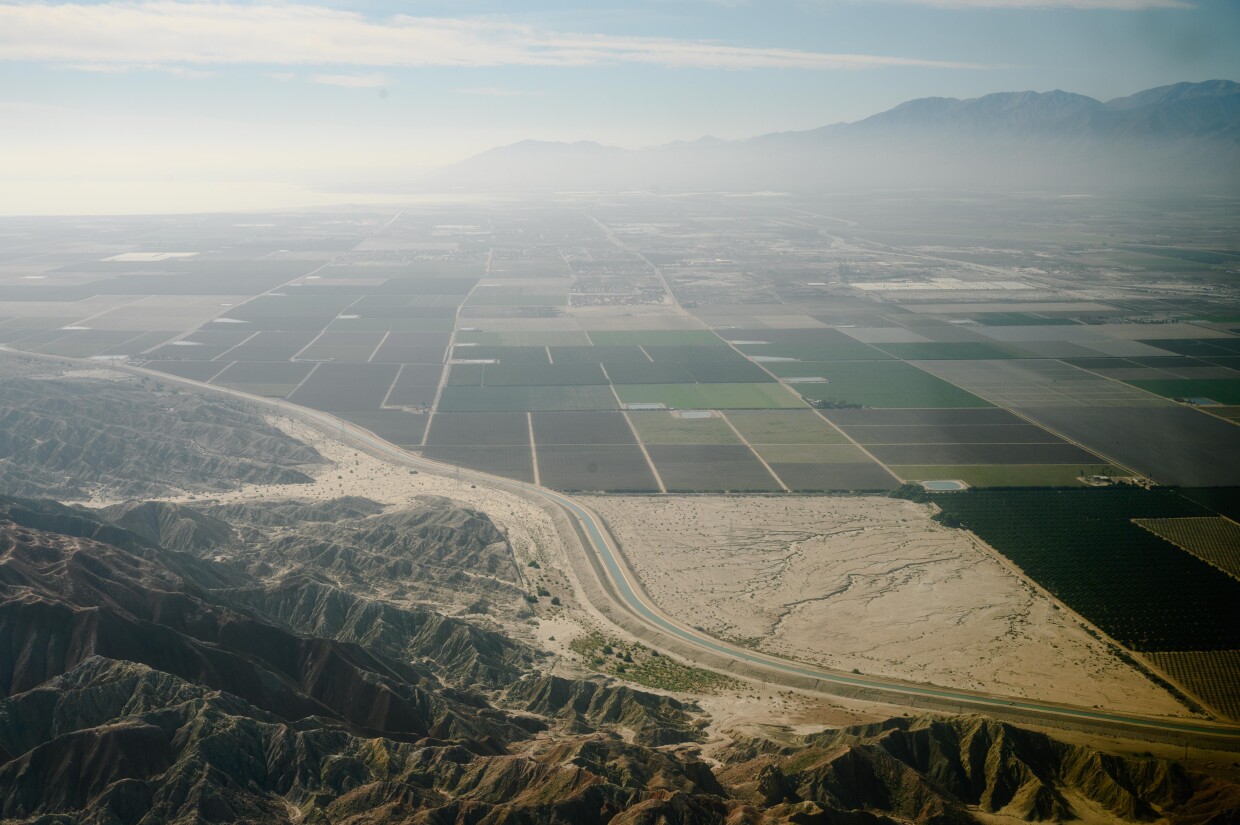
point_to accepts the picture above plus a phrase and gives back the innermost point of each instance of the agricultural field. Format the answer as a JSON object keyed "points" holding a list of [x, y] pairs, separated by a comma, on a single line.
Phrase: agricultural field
{"points": [[525, 338], [1170, 444], [350, 346], [710, 396], [948, 351], [464, 337], [1083, 546], [882, 384], [456, 398], [510, 462], [1018, 384], [656, 338], [711, 468], [791, 427], [1223, 500], [595, 468], [335, 387], [1216, 390], [774, 345], [1008, 475], [273, 379], [660, 427], [1209, 674], [485, 429], [1060, 453], [1213, 539]]}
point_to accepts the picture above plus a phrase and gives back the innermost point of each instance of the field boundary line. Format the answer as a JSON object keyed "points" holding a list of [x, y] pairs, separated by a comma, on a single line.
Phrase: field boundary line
{"points": [[859, 446], [641, 445], [134, 337], [1170, 401], [755, 453], [224, 368], [313, 370], [529, 422], [387, 395], [817, 411], [230, 349], [379, 346], [1016, 411], [308, 345], [456, 325], [174, 337], [1144, 524]]}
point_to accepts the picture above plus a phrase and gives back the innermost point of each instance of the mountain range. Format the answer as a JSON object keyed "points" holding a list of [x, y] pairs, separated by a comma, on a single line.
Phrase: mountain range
{"points": [[141, 683], [1183, 137]]}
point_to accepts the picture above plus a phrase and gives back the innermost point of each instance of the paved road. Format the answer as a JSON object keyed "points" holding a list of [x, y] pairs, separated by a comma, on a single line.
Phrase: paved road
{"points": [[599, 542]]}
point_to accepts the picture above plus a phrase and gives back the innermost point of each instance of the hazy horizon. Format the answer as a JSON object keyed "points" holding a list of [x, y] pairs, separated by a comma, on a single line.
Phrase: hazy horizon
{"points": [[188, 106]]}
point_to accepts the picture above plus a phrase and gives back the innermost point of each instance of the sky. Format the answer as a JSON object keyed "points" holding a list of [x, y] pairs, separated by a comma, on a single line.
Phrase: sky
{"points": [[164, 105]]}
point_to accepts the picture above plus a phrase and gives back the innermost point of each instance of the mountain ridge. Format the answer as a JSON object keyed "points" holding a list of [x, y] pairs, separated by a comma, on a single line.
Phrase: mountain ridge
{"points": [[1164, 136]]}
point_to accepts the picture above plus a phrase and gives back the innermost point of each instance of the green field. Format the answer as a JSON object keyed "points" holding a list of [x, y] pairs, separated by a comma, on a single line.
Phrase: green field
{"points": [[1005, 475], [347, 353], [811, 454], [878, 384], [550, 338], [834, 350], [525, 375], [1020, 319], [1222, 390], [666, 428], [710, 396], [785, 427], [522, 399], [396, 324], [656, 338], [644, 372], [948, 351], [504, 355]]}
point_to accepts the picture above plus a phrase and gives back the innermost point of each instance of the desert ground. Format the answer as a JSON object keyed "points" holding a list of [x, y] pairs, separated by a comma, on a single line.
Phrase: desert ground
{"points": [[848, 582], [869, 583]]}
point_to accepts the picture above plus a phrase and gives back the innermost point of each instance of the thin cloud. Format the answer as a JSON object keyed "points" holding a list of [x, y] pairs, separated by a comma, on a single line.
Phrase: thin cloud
{"points": [[160, 32], [496, 91], [119, 68], [1081, 5], [353, 81]]}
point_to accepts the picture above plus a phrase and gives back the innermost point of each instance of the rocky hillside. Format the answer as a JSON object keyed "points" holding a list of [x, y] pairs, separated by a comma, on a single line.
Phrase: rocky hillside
{"points": [[935, 770], [70, 438], [150, 672], [433, 554]]}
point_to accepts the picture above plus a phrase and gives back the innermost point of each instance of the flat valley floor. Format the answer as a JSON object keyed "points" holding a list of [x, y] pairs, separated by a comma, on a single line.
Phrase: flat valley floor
{"points": [[870, 583]]}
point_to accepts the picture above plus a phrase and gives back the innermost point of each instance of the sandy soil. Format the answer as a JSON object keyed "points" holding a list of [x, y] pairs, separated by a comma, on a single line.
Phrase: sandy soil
{"points": [[354, 472], [868, 583]]}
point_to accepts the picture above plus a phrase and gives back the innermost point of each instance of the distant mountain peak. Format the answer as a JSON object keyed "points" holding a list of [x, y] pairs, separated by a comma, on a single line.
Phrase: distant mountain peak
{"points": [[1184, 135], [1175, 93]]}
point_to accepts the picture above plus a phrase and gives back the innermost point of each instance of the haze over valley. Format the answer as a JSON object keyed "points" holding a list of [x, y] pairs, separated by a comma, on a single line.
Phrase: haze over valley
{"points": [[406, 416]]}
